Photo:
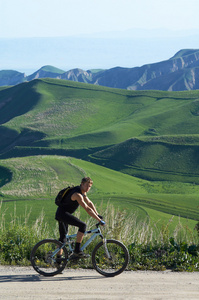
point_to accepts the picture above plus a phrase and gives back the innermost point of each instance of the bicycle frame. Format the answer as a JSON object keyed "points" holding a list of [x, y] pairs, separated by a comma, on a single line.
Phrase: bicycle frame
{"points": [[96, 232]]}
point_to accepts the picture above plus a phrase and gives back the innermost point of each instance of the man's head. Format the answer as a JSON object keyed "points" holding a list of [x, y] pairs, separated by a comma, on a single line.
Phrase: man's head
{"points": [[86, 184]]}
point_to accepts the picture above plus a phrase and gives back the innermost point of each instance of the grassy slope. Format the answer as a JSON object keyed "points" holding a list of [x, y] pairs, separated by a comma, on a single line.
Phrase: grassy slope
{"points": [[154, 159], [68, 115], [75, 115], [36, 180], [43, 176], [71, 114]]}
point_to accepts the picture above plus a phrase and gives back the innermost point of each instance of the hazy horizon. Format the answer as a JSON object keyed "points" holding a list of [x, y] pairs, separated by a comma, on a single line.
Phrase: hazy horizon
{"points": [[123, 49]]}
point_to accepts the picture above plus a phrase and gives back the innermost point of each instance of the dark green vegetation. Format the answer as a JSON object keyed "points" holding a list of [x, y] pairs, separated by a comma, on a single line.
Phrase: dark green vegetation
{"points": [[111, 134]]}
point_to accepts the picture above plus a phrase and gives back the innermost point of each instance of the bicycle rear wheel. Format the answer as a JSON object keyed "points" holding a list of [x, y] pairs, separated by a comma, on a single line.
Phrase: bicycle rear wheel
{"points": [[110, 258], [44, 259]]}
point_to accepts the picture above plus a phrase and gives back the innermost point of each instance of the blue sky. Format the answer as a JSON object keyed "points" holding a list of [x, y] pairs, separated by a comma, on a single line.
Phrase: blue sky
{"points": [[91, 34], [50, 18]]}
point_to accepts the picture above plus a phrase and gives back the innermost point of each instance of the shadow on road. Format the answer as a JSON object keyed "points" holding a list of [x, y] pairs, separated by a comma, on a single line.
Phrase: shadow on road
{"points": [[34, 278]]}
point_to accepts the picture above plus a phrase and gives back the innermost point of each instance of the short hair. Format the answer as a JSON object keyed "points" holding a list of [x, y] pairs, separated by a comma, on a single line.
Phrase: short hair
{"points": [[87, 179]]}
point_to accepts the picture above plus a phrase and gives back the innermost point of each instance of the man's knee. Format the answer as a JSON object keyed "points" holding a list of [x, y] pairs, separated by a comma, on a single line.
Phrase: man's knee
{"points": [[82, 227]]}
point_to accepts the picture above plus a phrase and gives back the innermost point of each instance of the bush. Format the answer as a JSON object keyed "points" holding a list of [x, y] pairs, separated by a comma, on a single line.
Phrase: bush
{"points": [[177, 257], [150, 248], [18, 239]]}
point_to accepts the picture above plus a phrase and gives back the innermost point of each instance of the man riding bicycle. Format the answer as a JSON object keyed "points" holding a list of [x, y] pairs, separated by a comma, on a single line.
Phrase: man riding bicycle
{"points": [[64, 214]]}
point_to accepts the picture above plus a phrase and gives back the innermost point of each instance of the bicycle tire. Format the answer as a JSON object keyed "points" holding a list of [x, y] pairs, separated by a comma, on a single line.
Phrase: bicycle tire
{"points": [[43, 262], [116, 264]]}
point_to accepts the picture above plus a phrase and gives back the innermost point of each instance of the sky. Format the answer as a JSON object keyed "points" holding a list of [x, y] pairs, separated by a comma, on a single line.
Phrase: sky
{"points": [[51, 18], [94, 33]]}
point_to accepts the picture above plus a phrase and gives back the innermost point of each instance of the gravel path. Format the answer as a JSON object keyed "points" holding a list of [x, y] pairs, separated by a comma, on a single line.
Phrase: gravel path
{"points": [[25, 283]]}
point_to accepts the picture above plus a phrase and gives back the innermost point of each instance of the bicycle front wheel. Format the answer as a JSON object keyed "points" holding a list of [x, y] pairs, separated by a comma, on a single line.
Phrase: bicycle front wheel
{"points": [[45, 258], [110, 258]]}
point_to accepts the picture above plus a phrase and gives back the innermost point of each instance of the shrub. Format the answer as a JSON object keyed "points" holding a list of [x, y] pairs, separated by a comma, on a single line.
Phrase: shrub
{"points": [[150, 248], [18, 238]]}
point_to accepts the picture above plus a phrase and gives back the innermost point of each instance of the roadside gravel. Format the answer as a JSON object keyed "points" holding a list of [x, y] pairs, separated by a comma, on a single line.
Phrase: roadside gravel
{"points": [[25, 283]]}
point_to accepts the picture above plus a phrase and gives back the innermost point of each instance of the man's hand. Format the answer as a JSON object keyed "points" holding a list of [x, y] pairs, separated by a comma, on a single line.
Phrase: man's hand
{"points": [[102, 223]]}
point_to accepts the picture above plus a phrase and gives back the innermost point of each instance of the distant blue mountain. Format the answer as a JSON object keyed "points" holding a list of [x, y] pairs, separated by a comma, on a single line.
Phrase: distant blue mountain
{"points": [[179, 73]]}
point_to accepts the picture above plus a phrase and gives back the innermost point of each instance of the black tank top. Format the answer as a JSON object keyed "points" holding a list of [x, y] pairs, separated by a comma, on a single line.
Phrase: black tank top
{"points": [[70, 205]]}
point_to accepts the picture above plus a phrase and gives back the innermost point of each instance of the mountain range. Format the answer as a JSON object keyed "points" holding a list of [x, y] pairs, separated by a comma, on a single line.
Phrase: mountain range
{"points": [[179, 73]]}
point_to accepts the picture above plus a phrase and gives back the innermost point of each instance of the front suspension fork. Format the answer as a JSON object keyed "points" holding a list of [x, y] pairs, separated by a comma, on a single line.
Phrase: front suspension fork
{"points": [[106, 249]]}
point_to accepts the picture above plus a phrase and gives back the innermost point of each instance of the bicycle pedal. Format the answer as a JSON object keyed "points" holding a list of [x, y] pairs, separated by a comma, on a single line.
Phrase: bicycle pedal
{"points": [[73, 257]]}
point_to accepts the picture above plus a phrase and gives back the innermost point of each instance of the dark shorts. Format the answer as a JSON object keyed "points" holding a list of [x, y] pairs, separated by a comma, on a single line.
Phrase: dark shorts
{"points": [[68, 219]]}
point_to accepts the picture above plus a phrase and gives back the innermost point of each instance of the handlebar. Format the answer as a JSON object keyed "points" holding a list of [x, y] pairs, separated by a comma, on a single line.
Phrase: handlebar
{"points": [[98, 224]]}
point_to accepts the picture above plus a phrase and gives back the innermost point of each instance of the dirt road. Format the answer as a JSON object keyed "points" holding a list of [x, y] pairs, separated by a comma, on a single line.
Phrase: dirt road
{"points": [[25, 283]]}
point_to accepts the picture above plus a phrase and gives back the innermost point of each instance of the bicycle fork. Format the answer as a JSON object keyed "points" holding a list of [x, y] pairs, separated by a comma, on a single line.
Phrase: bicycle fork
{"points": [[106, 249]]}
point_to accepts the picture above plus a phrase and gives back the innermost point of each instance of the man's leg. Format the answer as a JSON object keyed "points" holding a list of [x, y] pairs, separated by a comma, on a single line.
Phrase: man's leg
{"points": [[63, 229], [80, 236], [74, 221]]}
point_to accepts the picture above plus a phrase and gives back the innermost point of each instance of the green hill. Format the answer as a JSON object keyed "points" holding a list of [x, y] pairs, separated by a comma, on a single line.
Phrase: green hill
{"points": [[52, 69], [157, 131], [163, 158], [11, 77], [150, 137], [32, 184]]}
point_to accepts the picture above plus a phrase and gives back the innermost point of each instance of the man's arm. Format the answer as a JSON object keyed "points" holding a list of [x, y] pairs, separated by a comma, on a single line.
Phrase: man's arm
{"points": [[89, 209], [90, 204]]}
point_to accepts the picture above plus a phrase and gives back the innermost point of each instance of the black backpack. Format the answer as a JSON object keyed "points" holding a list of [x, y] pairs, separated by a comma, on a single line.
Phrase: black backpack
{"points": [[62, 195]]}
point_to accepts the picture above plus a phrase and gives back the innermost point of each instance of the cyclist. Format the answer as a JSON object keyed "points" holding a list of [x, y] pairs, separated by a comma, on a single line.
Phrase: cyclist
{"points": [[64, 214]]}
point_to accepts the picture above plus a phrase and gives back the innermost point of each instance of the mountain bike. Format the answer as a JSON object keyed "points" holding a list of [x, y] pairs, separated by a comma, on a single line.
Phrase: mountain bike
{"points": [[109, 257]]}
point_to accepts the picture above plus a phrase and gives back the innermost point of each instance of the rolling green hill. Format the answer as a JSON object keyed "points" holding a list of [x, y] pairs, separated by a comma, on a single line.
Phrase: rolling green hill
{"points": [[151, 135], [157, 131], [33, 182], [160, 158]]}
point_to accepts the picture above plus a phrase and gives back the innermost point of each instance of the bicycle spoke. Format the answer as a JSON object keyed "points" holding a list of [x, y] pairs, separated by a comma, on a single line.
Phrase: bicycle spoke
{"points": [[110, 259], [45, 258]]}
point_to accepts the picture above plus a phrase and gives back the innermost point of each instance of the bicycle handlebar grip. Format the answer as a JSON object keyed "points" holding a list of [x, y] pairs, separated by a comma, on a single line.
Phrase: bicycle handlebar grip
{"points": [[102, 222]]}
